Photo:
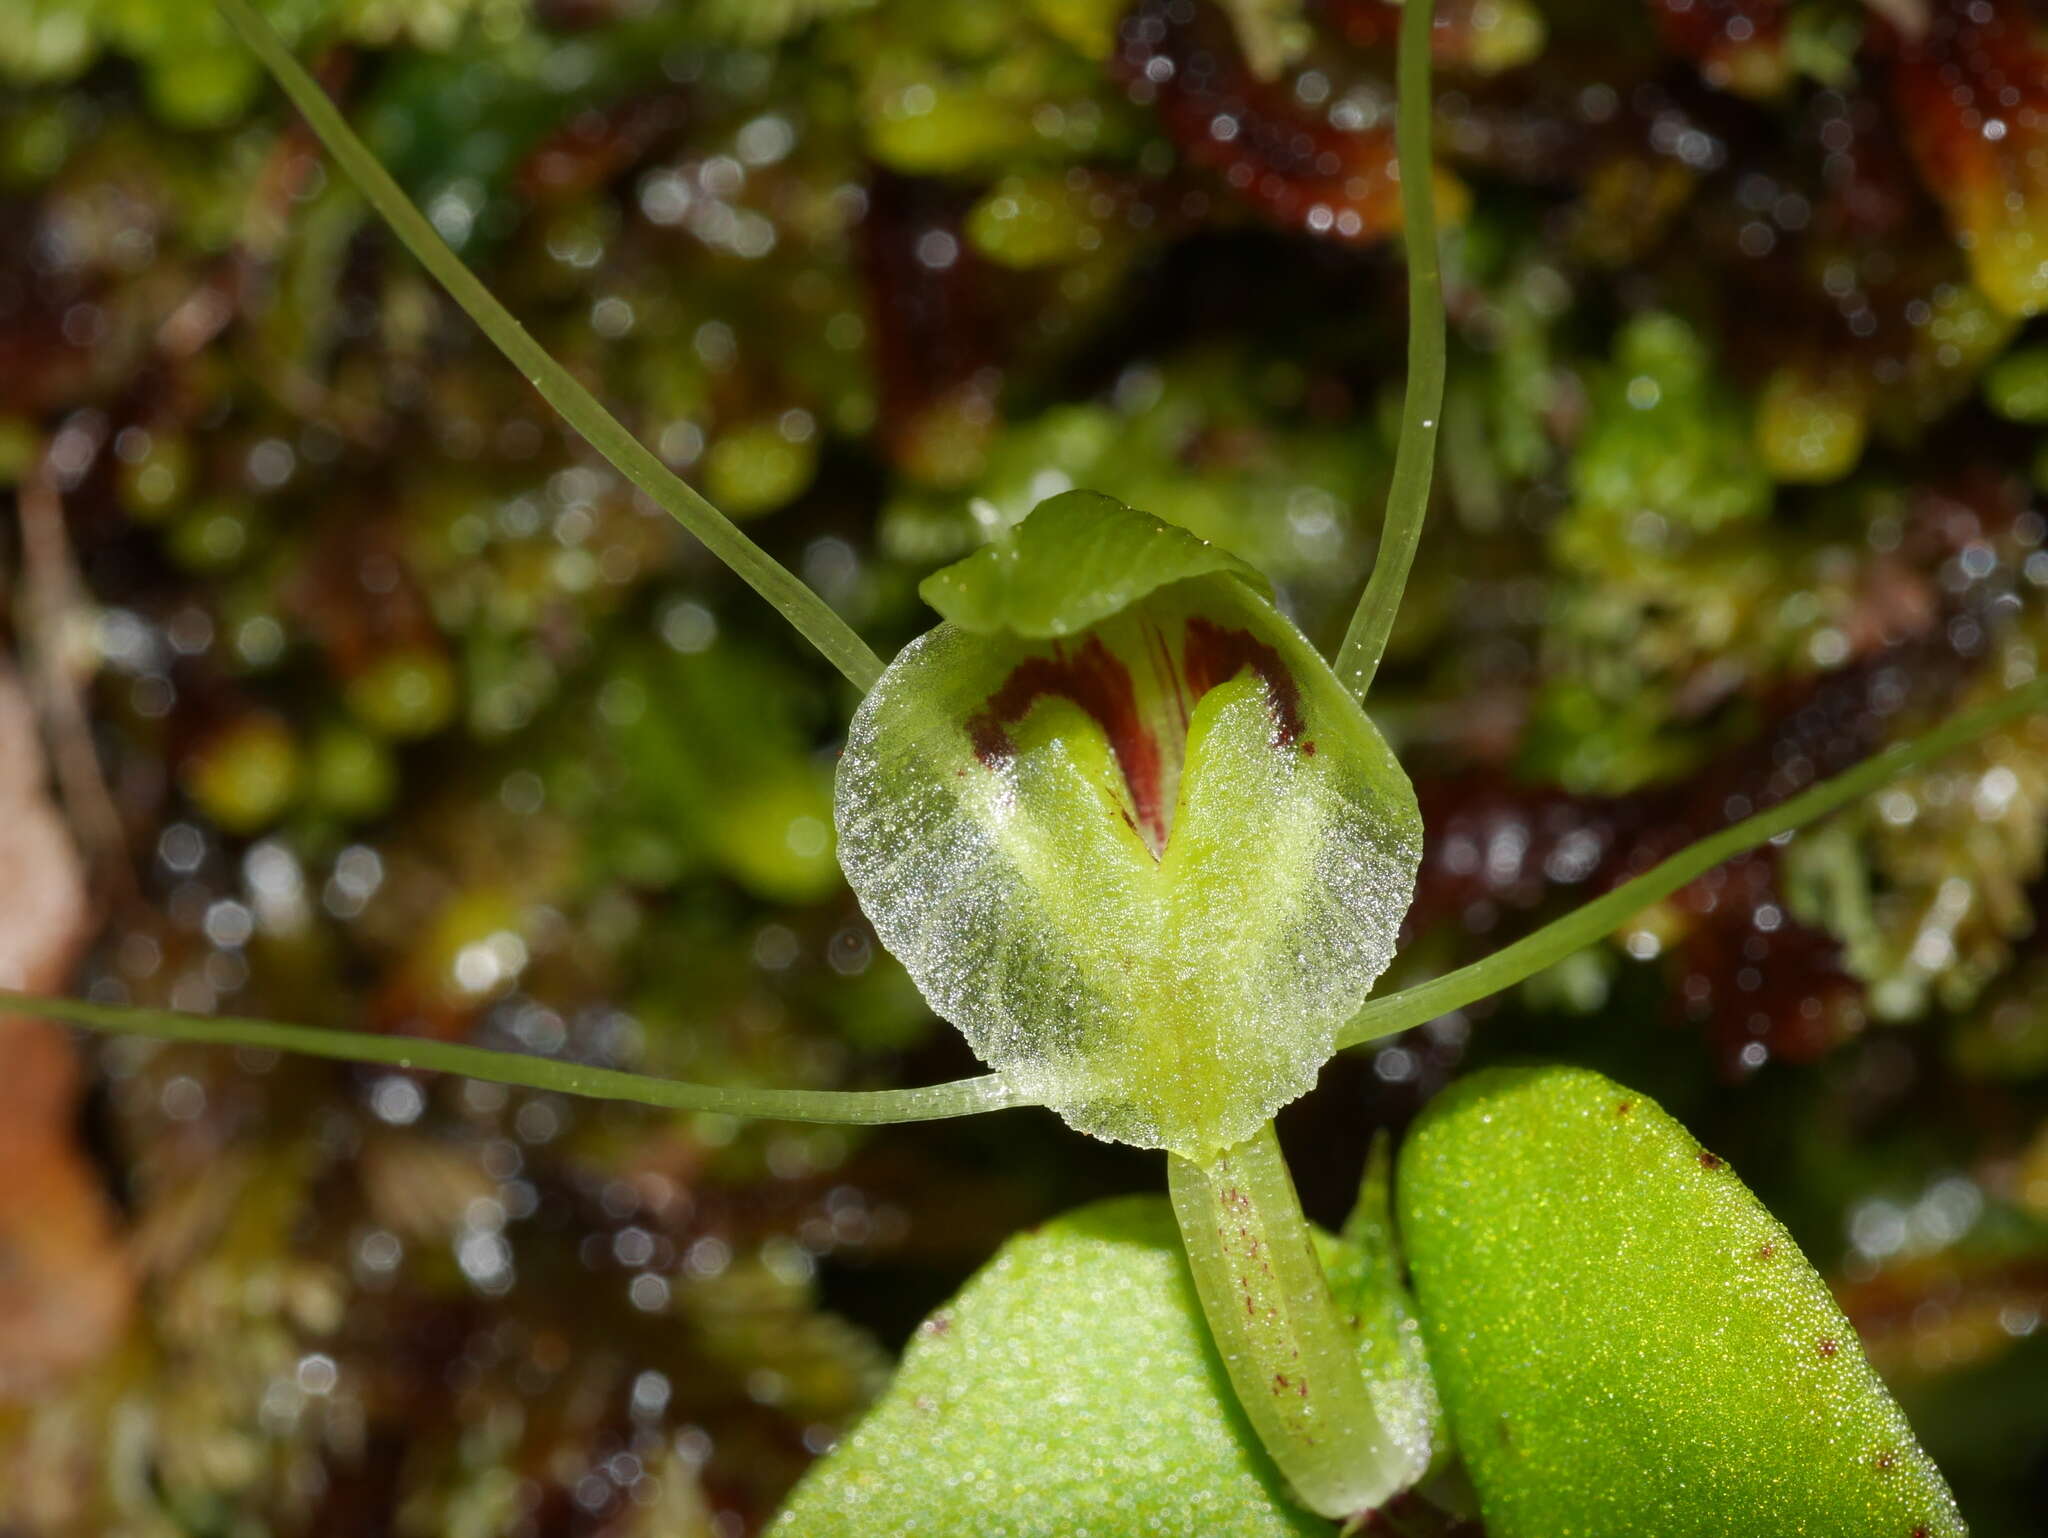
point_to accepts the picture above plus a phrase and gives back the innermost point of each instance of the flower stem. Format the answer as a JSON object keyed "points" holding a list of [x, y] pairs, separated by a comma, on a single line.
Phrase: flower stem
{"points": [[932, 1102], [1590, 921], [811, 615], [1290, 1357], [1365, 642]]}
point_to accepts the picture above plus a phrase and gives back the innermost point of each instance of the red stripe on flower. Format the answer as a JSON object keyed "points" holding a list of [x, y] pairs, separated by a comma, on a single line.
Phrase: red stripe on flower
{"points": [[1098, 682]]}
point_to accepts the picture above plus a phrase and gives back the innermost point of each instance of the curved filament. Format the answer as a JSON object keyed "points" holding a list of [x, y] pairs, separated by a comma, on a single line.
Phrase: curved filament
{"points": [[810, 614], [1590, 921], [1365, 642], [932, 1102]]}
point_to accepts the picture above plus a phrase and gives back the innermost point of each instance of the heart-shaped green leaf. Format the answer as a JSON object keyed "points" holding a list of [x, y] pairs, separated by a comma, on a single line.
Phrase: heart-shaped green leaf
{"points": [[1627, 1342], [1076, 559], [1071, 1388], [1147, 870]]}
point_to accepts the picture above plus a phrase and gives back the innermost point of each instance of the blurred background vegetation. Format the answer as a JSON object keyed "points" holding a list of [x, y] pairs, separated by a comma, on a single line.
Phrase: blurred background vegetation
{"points": [[343, 687]]}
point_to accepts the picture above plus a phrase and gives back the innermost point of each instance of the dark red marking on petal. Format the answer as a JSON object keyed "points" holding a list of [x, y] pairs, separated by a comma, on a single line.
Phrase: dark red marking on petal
{"points": [[1827, 1345], [1099, 683], [1710, 1161], [1160, 651], [1094, 679], [1215, 655]]}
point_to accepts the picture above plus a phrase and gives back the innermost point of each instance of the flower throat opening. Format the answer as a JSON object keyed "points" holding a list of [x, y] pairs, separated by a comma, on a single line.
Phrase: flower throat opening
{"points": [[1141, 689]]}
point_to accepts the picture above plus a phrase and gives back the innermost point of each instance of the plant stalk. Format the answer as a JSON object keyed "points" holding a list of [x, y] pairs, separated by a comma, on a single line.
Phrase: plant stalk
{"points": [[1365, 642], [932, 1102], [1292, 1360]]}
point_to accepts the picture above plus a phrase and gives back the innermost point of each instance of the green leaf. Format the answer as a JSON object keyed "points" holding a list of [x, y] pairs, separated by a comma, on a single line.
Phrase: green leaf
{"points": [[1070, 1388], [1147, 871], [1077, 559], [1627, 1342]]}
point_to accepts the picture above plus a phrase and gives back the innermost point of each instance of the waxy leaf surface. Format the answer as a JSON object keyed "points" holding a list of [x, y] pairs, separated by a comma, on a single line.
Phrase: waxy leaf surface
{"points": [[1627, 1342], [1147, 870], [1070, 1388], [1076, 559]]}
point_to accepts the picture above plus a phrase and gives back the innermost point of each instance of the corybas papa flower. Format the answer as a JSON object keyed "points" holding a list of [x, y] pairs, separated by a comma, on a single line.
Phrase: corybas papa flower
{"points": [[1126, 829]]}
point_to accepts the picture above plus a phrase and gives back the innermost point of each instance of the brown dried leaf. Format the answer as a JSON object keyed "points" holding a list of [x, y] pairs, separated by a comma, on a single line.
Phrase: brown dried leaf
{"points": [[64, 1281]]}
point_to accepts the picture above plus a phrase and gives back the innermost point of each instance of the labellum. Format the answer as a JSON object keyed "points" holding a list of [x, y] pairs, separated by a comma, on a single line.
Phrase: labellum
{"points": [[1126, 829]]}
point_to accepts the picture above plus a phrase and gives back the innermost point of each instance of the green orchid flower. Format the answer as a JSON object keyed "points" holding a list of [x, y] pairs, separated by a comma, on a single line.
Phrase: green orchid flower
{"points": [[1126, 830], [1139, 841]]}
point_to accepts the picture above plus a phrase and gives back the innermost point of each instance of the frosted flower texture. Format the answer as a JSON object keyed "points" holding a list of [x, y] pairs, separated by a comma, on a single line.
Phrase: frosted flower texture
{"points": [[1147, 868]]}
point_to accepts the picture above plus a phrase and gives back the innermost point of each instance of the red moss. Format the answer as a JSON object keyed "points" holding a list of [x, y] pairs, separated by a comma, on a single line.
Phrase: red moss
{"points": [[1736, 43], [595, 146], [1096, 680], [934, 330], [1286, 160], [1743, 968], [1456, 26], [1972, 92]]}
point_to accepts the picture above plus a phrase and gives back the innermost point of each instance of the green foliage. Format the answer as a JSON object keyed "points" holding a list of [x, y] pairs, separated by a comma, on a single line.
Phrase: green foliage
{"points": [[1926, 883], [655, 830], [350, 773], [979, 87], [1667, 487], [1811, 430], [196, 74], [2017, 385], [1964, 330], [1080, 558], [1071, 1387], [1212, 441], [1666, 453], [1035, 221], [1626, 1341], [246, 774], [702, 762]]}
